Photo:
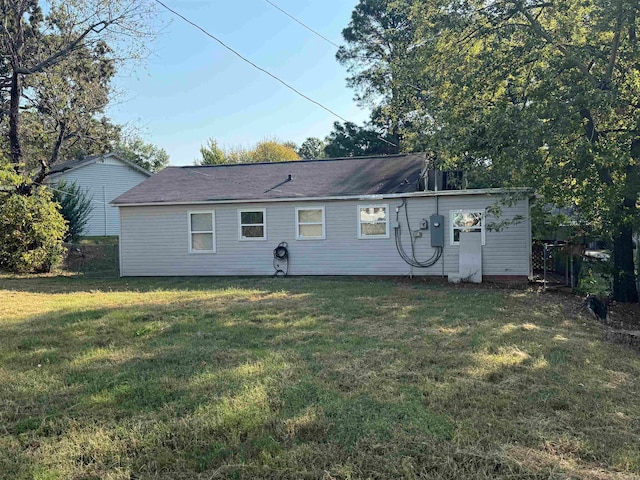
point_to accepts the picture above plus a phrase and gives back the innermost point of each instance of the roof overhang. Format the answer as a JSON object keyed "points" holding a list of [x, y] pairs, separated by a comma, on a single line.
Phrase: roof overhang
{"points": [[443, 193], [91, 161]]}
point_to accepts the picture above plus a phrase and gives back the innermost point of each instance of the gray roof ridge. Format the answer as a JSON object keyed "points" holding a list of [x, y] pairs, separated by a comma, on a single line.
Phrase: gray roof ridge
{"points": [[303, 160]]}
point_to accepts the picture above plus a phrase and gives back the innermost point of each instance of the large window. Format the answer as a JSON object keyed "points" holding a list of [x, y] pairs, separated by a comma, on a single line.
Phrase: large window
{"points": [[373, 221], [252, 224], [466, 221], [202, 227], [310, 223]]}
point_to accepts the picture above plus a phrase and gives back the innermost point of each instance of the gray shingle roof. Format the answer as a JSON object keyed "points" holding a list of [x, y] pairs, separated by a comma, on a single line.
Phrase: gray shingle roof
{"points": [[71, 164], [268, 181]]}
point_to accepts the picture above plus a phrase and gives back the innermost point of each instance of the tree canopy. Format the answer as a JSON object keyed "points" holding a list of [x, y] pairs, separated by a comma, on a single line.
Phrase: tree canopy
{"points": [[55, 71], [273, 151], [540, 94], [349, 140], [265, 151], [146, 155], [379, 45], [312, 147]]}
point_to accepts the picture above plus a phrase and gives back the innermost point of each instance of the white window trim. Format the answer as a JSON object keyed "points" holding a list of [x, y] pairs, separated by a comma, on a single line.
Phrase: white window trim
{"points": [[467, 210], [263, 225], [190, 232], [359, 222], [297, 223]]}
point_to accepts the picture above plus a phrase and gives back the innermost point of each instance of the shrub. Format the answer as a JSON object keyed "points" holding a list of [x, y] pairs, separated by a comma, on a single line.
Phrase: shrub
{"points": [[75, 207], [31, 227]]}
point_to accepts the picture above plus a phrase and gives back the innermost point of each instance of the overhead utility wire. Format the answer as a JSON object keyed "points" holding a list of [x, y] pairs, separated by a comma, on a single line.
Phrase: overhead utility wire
{"points": [[303, 24], [293, 89]]}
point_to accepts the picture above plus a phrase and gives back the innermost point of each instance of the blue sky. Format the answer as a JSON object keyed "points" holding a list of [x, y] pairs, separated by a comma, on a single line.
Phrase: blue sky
{"points": [[191, 88]]}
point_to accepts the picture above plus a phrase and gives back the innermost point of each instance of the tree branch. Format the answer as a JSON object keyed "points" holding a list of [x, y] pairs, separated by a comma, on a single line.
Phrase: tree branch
{"points": [[54, 59], [536, 27], [606, 81]]}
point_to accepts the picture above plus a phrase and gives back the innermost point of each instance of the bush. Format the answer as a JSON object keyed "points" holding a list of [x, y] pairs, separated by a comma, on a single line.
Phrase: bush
{"points": [[75, 207], [31, 227]]}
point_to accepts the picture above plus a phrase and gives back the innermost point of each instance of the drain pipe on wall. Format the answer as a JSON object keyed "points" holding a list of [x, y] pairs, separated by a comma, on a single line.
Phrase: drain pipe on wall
{"points": [[438, 213], [104, 207]]}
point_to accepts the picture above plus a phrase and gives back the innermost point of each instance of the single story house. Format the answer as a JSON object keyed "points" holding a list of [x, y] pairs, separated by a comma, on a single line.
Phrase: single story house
{"points": [[103, 177], [352, 216]]}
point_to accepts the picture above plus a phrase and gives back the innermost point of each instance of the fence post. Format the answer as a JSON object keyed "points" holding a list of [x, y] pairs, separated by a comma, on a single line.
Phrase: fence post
{"points": [[544, 262]]}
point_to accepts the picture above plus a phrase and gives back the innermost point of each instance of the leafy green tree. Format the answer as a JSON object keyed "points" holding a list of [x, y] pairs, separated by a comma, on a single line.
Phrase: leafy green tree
{"points": [[379, 55], [273, 151], [238, 154], [312, 147], [350, 140], [212, 154], [543, 94], [146, 155], [58, 65], [75, 207], [31, 226], [61, 106]]}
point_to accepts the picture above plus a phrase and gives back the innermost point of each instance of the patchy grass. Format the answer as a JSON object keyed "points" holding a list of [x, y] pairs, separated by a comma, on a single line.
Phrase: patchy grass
{"points": [[307, 378]]}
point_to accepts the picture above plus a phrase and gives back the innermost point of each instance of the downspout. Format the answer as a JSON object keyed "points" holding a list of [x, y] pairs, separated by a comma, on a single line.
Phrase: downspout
{"points": [[104, 207]]}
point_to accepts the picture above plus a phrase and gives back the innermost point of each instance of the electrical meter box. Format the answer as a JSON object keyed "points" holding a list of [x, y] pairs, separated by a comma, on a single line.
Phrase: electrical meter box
{"points": [[437, 230]]}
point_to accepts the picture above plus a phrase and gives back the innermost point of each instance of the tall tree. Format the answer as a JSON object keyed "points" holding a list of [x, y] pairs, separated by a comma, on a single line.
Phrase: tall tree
{"points": [[34, 45], [62, 105], [379, 49], [212, 154], [312, 147], [545, 94]]}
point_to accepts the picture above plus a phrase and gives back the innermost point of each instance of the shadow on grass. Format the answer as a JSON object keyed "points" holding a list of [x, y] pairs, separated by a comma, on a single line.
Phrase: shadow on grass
{"points": [[288, 380]]}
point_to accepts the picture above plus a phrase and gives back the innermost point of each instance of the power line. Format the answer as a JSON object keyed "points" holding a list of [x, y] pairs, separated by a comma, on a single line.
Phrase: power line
{"points": [[293, 89], [303, 24]]}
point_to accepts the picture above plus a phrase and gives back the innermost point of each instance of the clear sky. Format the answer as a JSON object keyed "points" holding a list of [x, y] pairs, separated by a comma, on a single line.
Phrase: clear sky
{"points": [[191, 88]]}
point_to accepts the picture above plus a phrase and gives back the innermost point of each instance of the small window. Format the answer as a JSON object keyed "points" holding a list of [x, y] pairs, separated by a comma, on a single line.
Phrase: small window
{"points": [[373, 221], [310, 223], [466, 221], [202, 237], [252, 224]]}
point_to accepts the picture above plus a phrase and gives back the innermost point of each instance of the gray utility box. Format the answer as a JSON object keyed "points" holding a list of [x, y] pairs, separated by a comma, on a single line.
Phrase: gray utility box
{"points": [[437, 230]]}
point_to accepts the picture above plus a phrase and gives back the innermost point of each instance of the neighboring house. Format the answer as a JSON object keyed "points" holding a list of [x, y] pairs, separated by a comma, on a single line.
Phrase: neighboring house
{"points": [[104, 177], [338, 217]]}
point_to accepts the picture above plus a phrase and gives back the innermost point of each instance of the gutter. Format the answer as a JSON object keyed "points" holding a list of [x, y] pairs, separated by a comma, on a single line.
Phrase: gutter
{"points": [[442, 193]]}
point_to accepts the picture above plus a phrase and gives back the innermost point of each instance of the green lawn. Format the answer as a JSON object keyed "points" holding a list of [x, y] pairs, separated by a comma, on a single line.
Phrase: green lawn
{"points": [[308, 378]]}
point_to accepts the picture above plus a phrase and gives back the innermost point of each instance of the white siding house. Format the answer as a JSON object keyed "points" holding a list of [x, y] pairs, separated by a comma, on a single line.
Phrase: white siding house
{"points": [[103, 177], [186, 221]]}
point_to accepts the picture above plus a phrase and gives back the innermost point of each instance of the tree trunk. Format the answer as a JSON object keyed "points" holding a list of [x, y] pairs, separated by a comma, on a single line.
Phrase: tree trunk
{"points": [[624, 282], [14, 121]]}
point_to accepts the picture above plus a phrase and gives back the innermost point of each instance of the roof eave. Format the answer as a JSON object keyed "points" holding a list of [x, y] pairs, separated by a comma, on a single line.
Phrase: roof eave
{"points": [[367, 197], [94, 160]]}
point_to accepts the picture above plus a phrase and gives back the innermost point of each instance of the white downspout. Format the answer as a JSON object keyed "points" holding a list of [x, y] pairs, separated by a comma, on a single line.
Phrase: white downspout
{"points": [[104, 207]]}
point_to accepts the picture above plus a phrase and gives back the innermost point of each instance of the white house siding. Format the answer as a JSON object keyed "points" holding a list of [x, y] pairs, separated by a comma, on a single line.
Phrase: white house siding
{"points": [[103, 182], [155, 241]]}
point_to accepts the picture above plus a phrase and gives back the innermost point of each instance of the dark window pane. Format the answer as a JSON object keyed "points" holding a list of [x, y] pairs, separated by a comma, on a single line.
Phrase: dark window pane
{"points": [[251, 217], [253, 232]]}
